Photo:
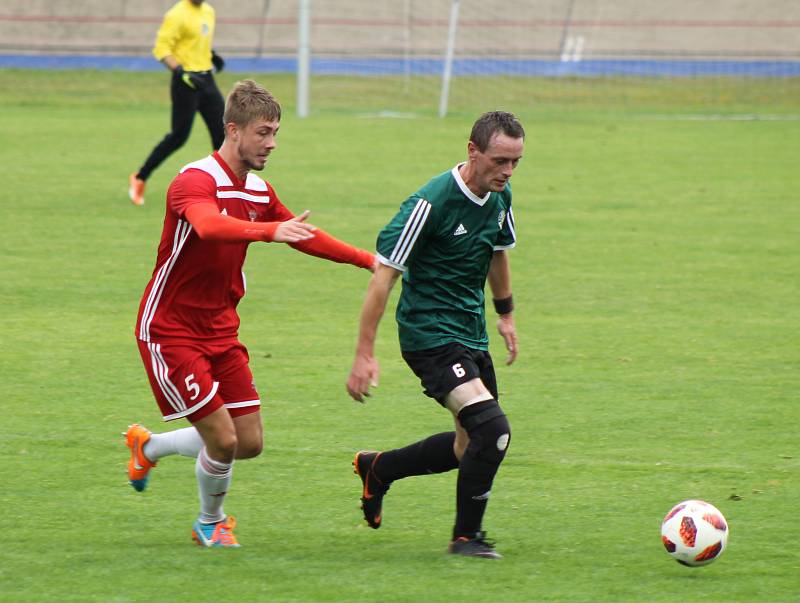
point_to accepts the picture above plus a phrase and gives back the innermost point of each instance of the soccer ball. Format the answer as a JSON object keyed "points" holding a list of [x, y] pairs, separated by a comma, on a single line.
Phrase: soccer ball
{"points": [[694, 533]]}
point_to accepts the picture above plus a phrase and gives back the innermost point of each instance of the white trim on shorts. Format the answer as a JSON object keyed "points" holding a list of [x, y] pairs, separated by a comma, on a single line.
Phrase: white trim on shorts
{"points": [[243, 404], [199, 405]]}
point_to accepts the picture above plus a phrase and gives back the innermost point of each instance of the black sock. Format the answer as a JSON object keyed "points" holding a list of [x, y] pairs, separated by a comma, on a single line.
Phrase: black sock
{"points": [[475, 479], [431, 455], [488, 442]]}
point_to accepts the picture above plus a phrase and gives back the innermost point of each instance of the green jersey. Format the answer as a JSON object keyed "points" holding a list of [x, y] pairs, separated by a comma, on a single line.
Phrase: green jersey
{"points": [[442, 239]]}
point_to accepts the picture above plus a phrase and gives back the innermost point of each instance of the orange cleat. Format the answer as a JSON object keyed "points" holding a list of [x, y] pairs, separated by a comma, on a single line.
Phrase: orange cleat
{"points": [[215, 535], [139, 465], [136, 189]]}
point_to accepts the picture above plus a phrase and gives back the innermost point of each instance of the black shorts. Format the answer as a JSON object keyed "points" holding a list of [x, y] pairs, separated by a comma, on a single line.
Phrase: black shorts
{"points": [[444, 368]]}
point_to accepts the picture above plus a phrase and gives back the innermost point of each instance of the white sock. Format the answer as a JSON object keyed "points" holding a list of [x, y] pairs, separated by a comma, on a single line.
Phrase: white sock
{"points": [[213, 481], [186, 442]]}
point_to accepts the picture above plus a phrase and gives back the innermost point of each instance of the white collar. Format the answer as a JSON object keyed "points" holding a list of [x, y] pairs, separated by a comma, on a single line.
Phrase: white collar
{"points": [[465, 189]]}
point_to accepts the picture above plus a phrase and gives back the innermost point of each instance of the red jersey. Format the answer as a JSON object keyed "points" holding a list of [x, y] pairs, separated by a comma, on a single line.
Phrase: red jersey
{"points": [[197, 284]]}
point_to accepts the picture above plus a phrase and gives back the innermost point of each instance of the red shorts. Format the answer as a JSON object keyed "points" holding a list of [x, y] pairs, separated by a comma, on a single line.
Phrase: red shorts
{"points": [[192, 380]]}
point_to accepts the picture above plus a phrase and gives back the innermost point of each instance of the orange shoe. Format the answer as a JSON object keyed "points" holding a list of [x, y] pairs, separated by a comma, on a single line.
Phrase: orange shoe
{"points": [[136, 189], [218, 534], [139, 465]]}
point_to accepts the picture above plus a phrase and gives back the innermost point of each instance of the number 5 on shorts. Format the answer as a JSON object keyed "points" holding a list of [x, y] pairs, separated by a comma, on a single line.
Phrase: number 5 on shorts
{"points": [[192, 387]]}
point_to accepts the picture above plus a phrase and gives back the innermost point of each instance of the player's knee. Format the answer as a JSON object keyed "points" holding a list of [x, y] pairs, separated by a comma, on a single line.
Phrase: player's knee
{"points": [[489, 431], [247, 449], [179, 137], [222, 446], [180, 140], [489, 441]]}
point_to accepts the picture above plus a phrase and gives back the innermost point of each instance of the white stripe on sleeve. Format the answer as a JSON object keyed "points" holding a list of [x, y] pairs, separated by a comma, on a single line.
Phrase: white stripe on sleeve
{"points": [[510, 220], [411, 231]]}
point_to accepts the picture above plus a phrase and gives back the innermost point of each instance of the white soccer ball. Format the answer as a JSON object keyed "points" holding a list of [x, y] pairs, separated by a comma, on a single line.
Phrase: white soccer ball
{"points": [[694, 532]]}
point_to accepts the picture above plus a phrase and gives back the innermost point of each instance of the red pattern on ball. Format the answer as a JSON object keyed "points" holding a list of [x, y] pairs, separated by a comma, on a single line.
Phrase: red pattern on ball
{"points": [[709, 552], [716, 521], [688, 531], [674, 512]]}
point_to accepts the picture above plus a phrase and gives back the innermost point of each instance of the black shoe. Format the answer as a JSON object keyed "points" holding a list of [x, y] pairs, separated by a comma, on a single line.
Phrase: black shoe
{"points": [[374, 489], [474, 547]]}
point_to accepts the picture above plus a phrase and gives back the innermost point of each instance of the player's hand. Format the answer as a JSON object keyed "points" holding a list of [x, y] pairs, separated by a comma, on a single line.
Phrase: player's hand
{"points": [[363, 375], [294, 230], [506, 328], [189, 79], [218, 61]]}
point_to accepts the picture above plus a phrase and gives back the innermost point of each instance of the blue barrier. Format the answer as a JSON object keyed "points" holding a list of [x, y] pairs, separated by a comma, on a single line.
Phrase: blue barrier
{"points": [[368, 66]]}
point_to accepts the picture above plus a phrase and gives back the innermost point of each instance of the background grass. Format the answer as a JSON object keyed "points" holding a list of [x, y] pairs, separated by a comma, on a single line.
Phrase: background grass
{"points": [[656, 283]]}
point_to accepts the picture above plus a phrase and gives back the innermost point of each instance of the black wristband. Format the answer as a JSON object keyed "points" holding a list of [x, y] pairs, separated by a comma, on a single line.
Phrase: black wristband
{"points": [[505, 305]]}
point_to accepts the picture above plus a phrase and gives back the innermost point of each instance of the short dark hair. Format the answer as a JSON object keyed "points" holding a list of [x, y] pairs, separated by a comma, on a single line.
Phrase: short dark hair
{"points": [[491, 123]]}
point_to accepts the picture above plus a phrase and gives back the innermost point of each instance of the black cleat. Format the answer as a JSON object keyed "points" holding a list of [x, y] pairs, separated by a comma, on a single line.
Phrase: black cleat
{"points": [[374, 489], [474, 547]]}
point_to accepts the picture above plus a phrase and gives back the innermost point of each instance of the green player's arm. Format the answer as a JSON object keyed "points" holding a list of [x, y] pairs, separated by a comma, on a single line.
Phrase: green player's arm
{"points": [[500, 275], [365, 370], [380, 286], [499, 278]]}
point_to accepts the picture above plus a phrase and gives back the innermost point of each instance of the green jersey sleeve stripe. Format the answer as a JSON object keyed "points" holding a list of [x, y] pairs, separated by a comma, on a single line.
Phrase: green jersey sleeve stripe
{"points": [[410, 232], [510, 220]]}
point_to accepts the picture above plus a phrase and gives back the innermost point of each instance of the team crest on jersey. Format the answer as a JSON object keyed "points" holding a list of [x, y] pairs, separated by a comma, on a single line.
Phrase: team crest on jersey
{"points": [[253, 214], [500, 217]]}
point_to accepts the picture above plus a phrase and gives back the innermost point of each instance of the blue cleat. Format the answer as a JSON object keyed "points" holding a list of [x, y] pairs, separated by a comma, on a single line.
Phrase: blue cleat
{"points": [[218, 534]]}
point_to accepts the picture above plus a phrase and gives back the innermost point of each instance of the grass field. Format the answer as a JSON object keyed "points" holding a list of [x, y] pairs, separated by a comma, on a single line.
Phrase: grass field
{"points": [[656, 280]]}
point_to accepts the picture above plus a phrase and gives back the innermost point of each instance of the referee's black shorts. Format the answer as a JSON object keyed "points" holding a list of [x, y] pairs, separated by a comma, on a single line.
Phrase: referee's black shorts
{"points": [[444, 368]]}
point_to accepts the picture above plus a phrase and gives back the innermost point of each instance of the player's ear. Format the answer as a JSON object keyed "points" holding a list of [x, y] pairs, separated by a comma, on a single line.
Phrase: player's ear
{"points": [[231, 130]]}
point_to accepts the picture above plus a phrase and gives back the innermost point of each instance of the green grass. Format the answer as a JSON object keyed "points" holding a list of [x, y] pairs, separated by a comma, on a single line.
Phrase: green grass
{"points": [[656, 284]]}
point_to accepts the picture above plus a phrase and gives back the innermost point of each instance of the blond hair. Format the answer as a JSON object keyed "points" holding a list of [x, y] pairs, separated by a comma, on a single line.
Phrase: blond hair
{"points": [[247, 102]]}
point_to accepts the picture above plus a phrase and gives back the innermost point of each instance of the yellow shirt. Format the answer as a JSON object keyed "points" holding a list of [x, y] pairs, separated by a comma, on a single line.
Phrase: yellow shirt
{"points": [[186, 34]]}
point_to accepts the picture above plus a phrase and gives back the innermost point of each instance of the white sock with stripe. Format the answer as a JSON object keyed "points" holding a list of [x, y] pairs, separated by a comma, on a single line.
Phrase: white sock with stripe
{"points": [[213, 481], [186, 442]]}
